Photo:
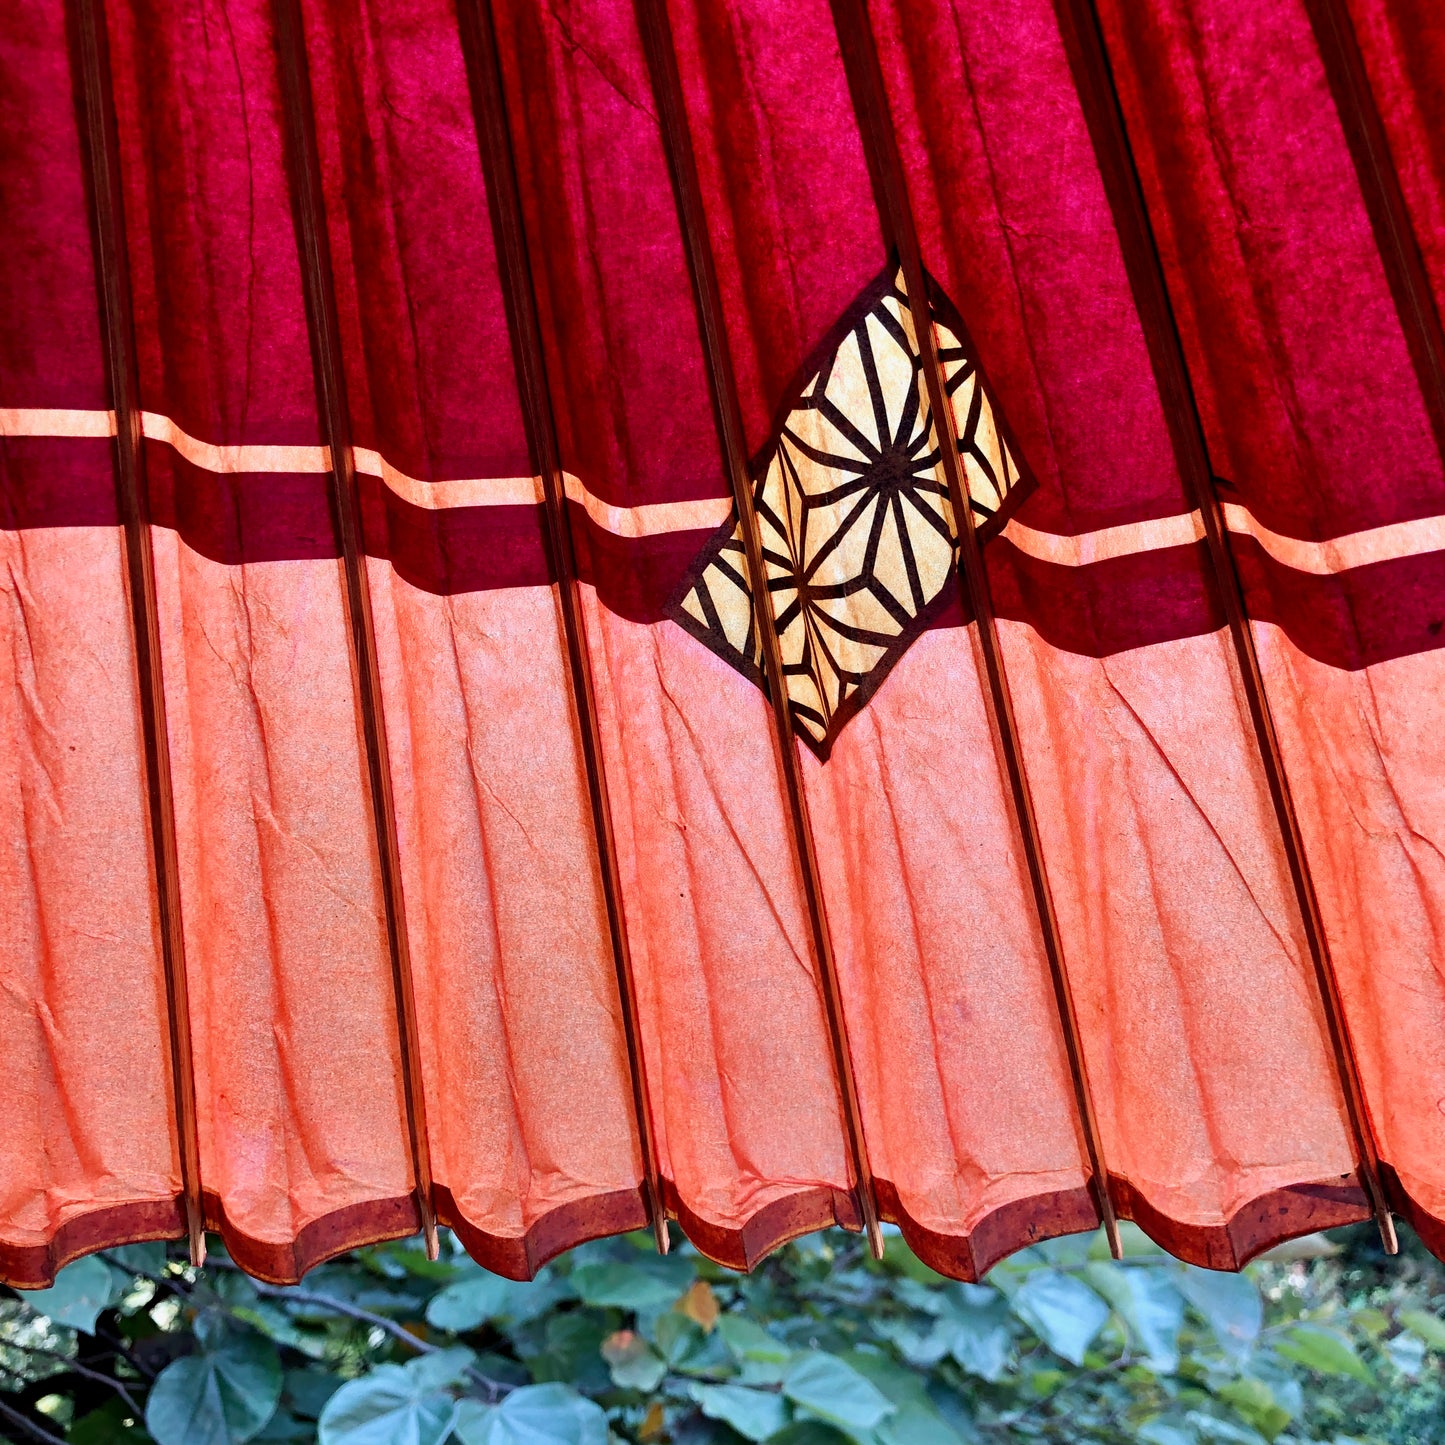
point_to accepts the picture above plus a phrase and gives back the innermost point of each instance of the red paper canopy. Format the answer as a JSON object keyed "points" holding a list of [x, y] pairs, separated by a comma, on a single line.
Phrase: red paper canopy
{"points": [[758, 613]]}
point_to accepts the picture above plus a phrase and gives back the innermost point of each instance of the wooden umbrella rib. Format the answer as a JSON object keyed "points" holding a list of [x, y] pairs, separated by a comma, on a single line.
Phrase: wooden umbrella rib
{"points": [[304, 174], [1083, 38], [656, 30], [1384, 199], [875, 122], [479, 48], [100, 145]]}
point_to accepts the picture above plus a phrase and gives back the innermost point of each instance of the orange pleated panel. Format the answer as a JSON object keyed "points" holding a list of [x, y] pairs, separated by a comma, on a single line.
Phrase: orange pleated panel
{"points": [[529, 1098], [298, 1070], [967, 1098], [735, 1042], [738, 1058], [1222, 1117], [1362, 749], [88, 1150]]}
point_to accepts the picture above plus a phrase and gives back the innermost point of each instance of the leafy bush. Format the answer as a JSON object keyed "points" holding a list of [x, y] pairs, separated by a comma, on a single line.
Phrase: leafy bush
{"points": [[1326, 1341]]}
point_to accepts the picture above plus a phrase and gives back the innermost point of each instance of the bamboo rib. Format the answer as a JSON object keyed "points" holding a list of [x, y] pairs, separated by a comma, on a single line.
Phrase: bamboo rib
{"points": [[1093, 78], [479, 47], [657, 39], [304, 175], [875, 122], [100, 144]]}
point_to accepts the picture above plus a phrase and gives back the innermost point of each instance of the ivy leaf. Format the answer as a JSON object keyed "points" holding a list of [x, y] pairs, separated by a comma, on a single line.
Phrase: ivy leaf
{"points": [[1228, 1303], [222, 1396], [750, 1341], [571, 1351], [811, 1432], [1150, 1305], [1325, 1351], [679, 1338], [147, 1258], [307, 1391], [391, 1405], [700, 1303], [640, 1286], [922, 1351], [469, 1303], [440, 1369], [1425, 1326], [1256, 1404], [1165, 1432], [916, 1420], [634, 1365], [834, 1391], [1062, 1311], [754, 1414], [81, 1290], [977, 1332], [534, 1415], [479, 1297], [283, 1425], [1212, 1428]]}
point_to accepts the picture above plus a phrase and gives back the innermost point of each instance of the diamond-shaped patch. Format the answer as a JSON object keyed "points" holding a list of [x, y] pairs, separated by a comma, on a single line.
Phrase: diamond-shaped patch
{"points": [[857, 531]]}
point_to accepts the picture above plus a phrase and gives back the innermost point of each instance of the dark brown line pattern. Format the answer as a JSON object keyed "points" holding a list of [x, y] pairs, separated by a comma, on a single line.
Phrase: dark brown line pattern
{"points": [[656, 30], [102, 154], [1384, 198], [304, 176], [484, 76], [890, 188], [1093, 79]]}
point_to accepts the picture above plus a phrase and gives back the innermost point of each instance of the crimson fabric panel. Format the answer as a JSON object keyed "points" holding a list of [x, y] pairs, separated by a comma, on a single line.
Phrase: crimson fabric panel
{"points": [[410, 376]]}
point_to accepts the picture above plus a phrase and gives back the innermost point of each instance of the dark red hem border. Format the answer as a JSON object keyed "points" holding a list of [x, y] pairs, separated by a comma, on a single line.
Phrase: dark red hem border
{"points": [[34, 1266], [520, 1256], [743, 1248], [1259, 1225], [997, 1235]]}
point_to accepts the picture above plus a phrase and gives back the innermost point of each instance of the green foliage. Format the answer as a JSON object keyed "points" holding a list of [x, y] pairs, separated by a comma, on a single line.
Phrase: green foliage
{"points": [[81, 1290], [223, 1394], [1329, 1342]]}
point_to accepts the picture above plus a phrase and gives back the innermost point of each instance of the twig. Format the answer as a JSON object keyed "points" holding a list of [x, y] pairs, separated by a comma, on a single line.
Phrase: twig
{"points": [[1099, 1372], [80, 1369], [343, 1307], [29, 1425], [495, 1388]]}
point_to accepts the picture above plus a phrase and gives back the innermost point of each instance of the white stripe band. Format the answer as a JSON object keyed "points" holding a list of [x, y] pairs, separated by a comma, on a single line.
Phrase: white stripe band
{"points": [[645, 521], [1108, 542], [1323, 559], [1339, 554]]}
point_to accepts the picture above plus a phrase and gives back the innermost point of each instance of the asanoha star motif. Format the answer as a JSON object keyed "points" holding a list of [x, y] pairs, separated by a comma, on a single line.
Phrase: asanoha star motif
{"points": [[856, 527]]}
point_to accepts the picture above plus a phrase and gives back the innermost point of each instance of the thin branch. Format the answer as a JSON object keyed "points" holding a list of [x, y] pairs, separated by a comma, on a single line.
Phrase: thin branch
{"points": [[494, 1388], [356, 1312], [1083, 1377], [80, 1369], [29, 1426]]}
